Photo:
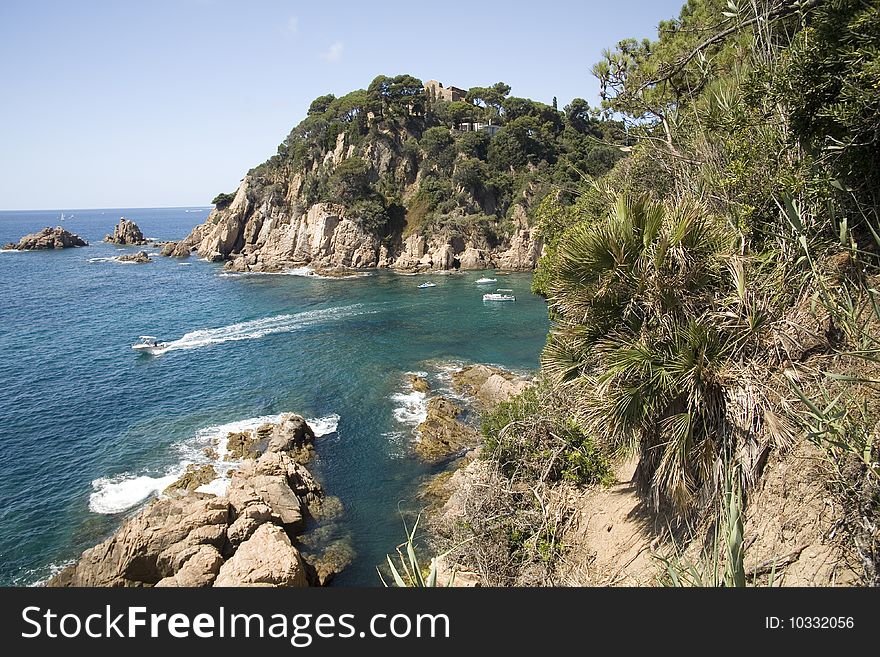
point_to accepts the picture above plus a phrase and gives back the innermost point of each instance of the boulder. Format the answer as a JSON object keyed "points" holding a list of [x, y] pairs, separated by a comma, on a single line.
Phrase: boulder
{"points": [[289, 434], [474, 259], [168, 527], [488, 385], [199, 570], [265, 559], [140, 258], [126, 232], [48, 238]]}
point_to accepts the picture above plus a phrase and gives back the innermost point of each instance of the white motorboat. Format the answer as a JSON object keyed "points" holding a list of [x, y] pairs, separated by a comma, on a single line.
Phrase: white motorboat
{"points": [[499, 295], [486, 281], [149, 345], [427, 284]]}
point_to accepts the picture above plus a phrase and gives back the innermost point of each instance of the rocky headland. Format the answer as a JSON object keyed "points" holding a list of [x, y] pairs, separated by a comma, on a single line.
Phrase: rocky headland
{"points": [[372, 180], [260, 532], [126, 233], [47, 239]]}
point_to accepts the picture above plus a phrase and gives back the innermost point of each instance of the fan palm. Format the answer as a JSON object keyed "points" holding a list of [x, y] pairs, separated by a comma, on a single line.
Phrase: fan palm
{"points": [[632, 300]]}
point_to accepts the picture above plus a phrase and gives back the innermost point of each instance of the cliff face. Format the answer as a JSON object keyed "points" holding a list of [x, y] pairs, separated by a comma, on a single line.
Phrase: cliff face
{"points": [[263, 231]]}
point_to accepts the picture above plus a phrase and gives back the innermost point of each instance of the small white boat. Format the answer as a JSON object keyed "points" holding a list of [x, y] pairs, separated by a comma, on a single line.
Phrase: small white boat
{"points": [[149, 345], [485, 281], [427, 284], [499, 295]]}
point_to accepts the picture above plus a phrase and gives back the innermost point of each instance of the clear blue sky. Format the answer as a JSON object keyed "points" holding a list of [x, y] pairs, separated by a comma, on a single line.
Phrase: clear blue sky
{"points": [[127, 103]]}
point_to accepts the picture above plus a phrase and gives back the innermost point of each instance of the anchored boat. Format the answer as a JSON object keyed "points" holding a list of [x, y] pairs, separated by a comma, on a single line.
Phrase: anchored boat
{"points": [[500, 294]]}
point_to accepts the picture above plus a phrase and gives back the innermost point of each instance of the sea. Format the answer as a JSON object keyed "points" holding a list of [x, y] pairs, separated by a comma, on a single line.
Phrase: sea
{"points": [[91, 431]]}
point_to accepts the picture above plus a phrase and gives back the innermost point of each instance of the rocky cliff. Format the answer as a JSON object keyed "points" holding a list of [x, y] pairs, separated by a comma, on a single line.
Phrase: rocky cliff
{"points": [[391, 177]]}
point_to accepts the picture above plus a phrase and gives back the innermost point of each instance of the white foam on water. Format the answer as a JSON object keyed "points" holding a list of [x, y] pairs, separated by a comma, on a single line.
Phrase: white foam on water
{"points": [[184, 264], [117, 494], [412, 407], [324, 426], [14, 250], [46, 574], [154, 255], [259, 328], [110, 259]]}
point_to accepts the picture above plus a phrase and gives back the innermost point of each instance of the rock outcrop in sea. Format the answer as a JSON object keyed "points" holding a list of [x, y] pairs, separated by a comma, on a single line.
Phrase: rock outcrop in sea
{"points": [[140, 258], [46, 239], [246, 537], [126, 233]]}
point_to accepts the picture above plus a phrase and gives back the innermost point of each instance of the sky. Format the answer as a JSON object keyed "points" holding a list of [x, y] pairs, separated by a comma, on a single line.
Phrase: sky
{"points": [[149, 103]]}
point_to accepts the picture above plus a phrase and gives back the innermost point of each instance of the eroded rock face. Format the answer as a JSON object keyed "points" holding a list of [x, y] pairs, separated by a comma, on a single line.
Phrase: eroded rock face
{"points": [[48, 238], [243, 538], [262, 231], [126, 232]]}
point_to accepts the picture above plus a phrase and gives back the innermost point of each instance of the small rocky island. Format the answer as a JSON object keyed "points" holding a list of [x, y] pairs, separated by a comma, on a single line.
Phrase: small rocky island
{"points": [[126, 233], [141, 258], [246, 537], [47, 239]]}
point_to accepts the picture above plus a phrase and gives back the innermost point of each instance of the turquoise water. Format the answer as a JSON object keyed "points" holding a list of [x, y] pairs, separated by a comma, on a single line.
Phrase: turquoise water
{"points": [[89, 429]]}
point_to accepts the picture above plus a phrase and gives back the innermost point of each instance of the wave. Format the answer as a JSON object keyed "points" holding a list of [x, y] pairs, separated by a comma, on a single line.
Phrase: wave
{"points": [[106, 259], [411, 409], [259, 328], [112, 495], [184, 264], [117, 494]]}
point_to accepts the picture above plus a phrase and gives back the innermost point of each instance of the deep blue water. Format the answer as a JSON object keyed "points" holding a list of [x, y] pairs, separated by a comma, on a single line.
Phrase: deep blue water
{"points": [[88, 427]]}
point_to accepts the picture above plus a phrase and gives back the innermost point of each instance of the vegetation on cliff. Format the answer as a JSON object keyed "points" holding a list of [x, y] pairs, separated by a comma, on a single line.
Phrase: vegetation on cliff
{"points": [[398, 158], [714, 294]]}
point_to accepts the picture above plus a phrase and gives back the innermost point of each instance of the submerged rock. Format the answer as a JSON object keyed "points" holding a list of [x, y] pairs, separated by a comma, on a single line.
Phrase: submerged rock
{"points": [[46, 239], [140, 258], [126, 232]]}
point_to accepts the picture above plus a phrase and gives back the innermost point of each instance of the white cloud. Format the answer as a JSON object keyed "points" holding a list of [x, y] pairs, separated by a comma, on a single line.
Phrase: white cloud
{"points": [[334, 52], [292, 26]]}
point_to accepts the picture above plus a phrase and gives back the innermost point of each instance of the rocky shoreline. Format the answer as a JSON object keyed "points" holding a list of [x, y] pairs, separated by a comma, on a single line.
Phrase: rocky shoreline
{"points": [[258, 533]]}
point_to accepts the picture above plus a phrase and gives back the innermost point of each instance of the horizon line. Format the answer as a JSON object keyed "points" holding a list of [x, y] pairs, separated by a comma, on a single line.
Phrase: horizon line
{"points": [[109, 207]]}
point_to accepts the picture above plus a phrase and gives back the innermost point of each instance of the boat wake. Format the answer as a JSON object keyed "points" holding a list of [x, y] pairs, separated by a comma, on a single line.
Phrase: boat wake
{"points": [[260, 328], [112, 495]]}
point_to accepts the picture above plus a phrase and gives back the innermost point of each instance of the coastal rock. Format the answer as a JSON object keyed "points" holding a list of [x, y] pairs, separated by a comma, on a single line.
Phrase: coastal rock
{"points": [[442, 434], [195, 476], [419, 383], [199, 570], [266, 559], [242, 538], [126, 232], [488, 385], [140, 258], [48, 238], [290, 433], [169, 527]]}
